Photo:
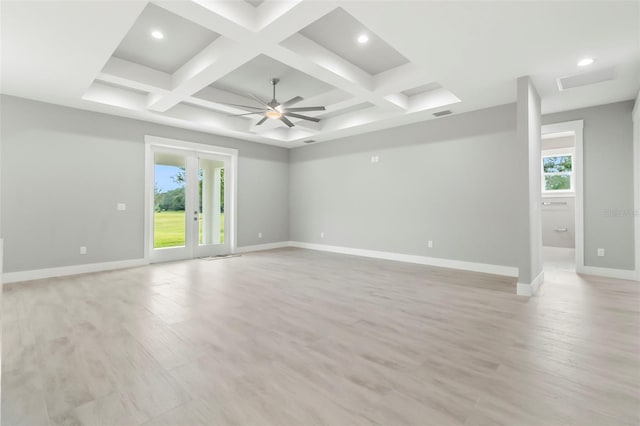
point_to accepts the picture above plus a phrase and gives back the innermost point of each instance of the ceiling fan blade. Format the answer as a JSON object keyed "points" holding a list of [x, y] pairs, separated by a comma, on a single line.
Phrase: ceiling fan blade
{"points": [[241, 106], [259, 100], [248, 113], [304, 117], [315, 108], [262, 120], [292, 101], [286, 121]]}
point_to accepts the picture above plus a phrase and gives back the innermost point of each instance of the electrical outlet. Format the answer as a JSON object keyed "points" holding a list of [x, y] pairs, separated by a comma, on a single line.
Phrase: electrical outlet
{"points": [[121, 207], [430, 244], [322, 235], [259, 234], [83, 250], [601, 252], [375, 159]]}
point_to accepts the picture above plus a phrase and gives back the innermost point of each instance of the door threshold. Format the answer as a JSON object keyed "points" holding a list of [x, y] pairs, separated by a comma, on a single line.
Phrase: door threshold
{"points": [[220, 256]]}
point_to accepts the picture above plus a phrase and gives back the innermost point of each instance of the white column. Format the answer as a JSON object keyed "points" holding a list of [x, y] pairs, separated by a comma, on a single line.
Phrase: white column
{"points": [[529, 129], [636, 184]]}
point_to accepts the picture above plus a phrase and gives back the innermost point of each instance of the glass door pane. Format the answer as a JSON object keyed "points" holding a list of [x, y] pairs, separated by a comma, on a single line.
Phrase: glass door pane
{"points": [[211, 195], [169, 220]]}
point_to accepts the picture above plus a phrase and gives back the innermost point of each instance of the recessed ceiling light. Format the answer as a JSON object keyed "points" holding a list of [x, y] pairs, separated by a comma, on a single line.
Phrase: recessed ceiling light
{"points": [[363, 38], [157, 35], [585, 61]]}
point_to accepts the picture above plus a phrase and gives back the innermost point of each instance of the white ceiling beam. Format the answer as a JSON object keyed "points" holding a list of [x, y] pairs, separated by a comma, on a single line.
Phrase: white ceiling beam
{"points": [[340, 106], [136, 76], [330, 98], [399, 79], [210, 119], [238, 12], [433, 99], [398, 99], [293, 17], [310, 126], [220, 58], [270, 10], [279, 133], [313, 59], [114, 96]]}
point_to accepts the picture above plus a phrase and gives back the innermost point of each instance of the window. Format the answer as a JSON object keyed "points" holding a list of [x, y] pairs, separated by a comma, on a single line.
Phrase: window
{"points": [[557, 171]]}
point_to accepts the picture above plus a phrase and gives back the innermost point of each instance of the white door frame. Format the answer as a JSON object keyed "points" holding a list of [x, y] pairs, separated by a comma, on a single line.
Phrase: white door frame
{"points": [[185, 146], [636, 181], [575, 129]]}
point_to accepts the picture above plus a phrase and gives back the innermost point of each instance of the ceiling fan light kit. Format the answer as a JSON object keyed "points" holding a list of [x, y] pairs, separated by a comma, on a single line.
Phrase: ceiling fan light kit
{"points": [[279, 111]]}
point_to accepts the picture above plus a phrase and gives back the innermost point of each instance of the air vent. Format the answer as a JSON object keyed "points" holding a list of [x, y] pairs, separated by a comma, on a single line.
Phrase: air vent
{"points": [[309, 141], [441, 113], [585, 79]]}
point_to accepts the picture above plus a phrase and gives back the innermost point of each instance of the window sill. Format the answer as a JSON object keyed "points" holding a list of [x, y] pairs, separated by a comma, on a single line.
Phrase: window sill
{"points": [[558, 194]]}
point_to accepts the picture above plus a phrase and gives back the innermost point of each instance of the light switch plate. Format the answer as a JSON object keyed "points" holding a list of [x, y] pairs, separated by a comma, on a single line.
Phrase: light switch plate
{"points": [[121, 207]]}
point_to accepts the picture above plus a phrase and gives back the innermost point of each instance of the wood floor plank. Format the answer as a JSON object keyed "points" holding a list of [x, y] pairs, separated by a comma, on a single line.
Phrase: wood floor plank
{"points": [[297, 337]]}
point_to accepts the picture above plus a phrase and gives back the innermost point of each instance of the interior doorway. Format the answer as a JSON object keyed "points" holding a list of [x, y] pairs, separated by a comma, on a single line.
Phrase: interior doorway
{"points": [[561, 197], [190, 200]]}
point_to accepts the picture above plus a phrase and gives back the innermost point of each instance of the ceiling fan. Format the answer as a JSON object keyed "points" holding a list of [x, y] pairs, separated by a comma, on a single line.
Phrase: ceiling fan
{"points": [[279, 111]]}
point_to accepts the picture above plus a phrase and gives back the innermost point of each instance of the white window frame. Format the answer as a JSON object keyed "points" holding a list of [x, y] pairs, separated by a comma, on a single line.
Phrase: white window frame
{"points": [[558, 152]]}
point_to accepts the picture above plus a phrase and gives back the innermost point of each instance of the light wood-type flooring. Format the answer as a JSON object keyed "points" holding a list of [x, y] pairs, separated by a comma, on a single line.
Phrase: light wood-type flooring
{"points": [[296, 337]]}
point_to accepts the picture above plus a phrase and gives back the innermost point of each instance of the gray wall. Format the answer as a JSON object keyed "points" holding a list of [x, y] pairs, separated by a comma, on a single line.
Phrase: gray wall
{"points": [[608, 182], [63, 171], [449, 180]]}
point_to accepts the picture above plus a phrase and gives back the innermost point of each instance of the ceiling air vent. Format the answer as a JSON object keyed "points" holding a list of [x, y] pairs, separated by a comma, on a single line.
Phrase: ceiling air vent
{"points": [[585, 79], [441, 113], [309, 141]]}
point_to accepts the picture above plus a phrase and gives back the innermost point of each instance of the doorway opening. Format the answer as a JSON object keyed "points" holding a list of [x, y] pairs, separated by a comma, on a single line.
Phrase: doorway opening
{"points": [[190, 194], [561, 197]]}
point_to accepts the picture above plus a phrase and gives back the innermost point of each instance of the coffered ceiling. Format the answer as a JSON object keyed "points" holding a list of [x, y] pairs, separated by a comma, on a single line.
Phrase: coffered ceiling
{"points": [[184, 62]]}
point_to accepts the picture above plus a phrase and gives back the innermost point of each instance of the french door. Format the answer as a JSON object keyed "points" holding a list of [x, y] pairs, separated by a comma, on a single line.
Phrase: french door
{"points": [[188, 214]]}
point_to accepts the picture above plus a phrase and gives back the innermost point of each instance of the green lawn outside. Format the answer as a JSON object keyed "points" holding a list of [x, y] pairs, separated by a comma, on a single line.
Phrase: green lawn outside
{"points": [[168, 230]]}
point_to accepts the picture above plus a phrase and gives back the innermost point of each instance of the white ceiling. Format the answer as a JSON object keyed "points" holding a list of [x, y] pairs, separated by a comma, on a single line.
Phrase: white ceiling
{"points": [[461, 56], [337, 30], [182, 40], [255, 76]]}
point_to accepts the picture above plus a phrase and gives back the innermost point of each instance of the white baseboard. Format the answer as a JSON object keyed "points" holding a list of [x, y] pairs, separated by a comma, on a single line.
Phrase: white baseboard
{"points": [[260, 247], [622, 274], [525, 289], [37, 274], [508, 271], [486, 268]]}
